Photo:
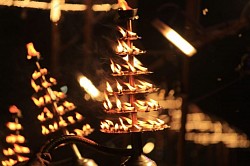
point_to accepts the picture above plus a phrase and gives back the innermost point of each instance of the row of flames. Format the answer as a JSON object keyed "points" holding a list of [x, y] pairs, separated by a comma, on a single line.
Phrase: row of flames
{"points": [[138, 105], [62, 123], [125, 125], [136, 68], [61, 110], [140, 87]]}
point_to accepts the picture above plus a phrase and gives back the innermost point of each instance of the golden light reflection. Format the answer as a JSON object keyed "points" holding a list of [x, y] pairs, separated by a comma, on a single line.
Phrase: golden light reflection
{"points": [[175, 38]]}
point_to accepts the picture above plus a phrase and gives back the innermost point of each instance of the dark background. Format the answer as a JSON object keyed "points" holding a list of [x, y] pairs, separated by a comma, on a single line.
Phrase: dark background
{"points": [[218, 77]]}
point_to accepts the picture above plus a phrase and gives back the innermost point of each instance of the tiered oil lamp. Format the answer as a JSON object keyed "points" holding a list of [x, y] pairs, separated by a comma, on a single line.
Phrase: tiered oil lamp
{"points": [[57, 114], [17, 151], [131, 89]]}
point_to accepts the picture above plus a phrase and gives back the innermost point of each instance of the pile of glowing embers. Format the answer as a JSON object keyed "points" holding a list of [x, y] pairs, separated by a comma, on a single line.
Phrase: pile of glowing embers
{"points": [[122, 97]]}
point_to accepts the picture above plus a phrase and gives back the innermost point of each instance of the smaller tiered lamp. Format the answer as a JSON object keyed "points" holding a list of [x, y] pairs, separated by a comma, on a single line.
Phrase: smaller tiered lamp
{"points": [[56, 112], [16, 151]]}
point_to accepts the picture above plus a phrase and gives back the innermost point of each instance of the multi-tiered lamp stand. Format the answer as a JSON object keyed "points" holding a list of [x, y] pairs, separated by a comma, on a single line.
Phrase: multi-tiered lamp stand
{"points": [[16, 152], [131, 88], [57, 113]]}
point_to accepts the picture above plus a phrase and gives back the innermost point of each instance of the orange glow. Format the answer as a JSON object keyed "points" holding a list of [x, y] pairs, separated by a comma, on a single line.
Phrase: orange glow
{"points": [[131, 88], [31, 51], [14, 126], [118, 103], [71, 119], [21, 158], [69, 105], [8, 152], [9, 162], [122, 47], [53, 80], [123, 5], [45, 131], [36, 75], [62, 123], [78, 116], [121, 30], [35, 86], [15, 139], [13, 109], [21, 149], [38, 102], [107, 104], [109, 88], [115, 67], [119, 87]]}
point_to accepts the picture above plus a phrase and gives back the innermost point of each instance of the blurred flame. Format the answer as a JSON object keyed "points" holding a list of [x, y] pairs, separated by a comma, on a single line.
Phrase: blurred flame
{"points": [[14, 126], [78, 116], [8, 152], [115, 67], [89, 87], [109, 88], [31, 51], [21, 149], [123, 5], [15, 139], [119, 87]]}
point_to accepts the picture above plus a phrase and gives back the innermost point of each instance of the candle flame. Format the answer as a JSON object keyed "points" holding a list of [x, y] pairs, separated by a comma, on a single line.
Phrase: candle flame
{"points": [[123, 5], [14, 126], [109, 88], [31, 51]]}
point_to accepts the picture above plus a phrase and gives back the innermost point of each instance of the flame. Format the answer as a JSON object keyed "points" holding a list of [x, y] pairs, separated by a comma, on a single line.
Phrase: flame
{"points": [[69, 105], [115, 67], [13, 109], [21, 158], [47, 112], [118, 103], [62, 122], [131, 88], [21, 149], [46, 84], [36, 75], [89, 87], [78, 116], [8, 152], [107, 104], [144, 85], [61, 110], [138, 64], [141, 107], [35, 86], [109, 88], [15, 139], [45, 131], [127, 106], [119, 87], [41, 117], [44, 71], [53, 80], [31, 51], [60, 95], [123, 5], [38, 102], [123, 125], [9, 162], [71, 119], [121, 30], [14, 126]]}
